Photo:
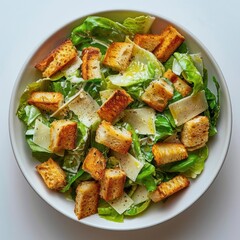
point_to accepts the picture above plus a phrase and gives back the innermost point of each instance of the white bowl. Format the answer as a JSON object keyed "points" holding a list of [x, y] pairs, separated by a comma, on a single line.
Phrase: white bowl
{"points": [[158, 213]]}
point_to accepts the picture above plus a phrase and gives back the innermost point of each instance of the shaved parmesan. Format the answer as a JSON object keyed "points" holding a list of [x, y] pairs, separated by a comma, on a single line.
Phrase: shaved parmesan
{"points": [[140, 195], [41, 135], [141, 119], [189, 107], [130, 165], [106, 94], [71, 67], [122, 203], [85, 107]]}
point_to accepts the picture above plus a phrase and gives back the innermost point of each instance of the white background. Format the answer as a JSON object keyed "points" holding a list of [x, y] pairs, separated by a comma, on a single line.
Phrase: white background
{"points": [[23, 25]]}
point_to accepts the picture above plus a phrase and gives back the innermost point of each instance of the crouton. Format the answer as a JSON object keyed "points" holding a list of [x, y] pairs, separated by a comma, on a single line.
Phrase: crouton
{"points": [[63, 134], [166, 189], [168, 152], [118, 55], [94, 164], [147, 41], [180, 85], [112, 108], [91, 63], [87, 196], [171, 40], [47, 101], [57, 59], [194, 134], [118, 140], [53, 176], [112, 184], [157, 94]]}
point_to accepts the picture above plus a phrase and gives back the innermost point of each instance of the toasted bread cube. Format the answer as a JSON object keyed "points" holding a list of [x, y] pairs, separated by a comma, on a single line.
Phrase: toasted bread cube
{"points": [[52, 174], [166, 189], [47, 101], [168, 152], [194, 134], [57, 59], [112, 108], [63, 135], [94, 164], [87, 196], [118, 140], [147, 41], [157, 94], [91, 63], [112, 184], [171, 40], [118, 55], [180, 85]]}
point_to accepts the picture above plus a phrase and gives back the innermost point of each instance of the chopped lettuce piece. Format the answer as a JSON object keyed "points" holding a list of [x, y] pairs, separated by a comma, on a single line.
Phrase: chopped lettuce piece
{"points": [[140, 24], [100, 30], [144, 66], [190, 72]]}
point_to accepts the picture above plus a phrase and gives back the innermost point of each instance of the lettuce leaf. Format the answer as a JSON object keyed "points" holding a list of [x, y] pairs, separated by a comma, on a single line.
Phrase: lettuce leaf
{"points": [[198, 166], [213, 111], [137, 209], [190, 72], [99, 30], [140, 24], [144, 66]]}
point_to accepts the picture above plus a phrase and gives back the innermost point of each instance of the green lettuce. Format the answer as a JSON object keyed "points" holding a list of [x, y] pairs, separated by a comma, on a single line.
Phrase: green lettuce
{"points": [[144, 66], [137, 209], [99, 30], [190, 72], [140, 24]]}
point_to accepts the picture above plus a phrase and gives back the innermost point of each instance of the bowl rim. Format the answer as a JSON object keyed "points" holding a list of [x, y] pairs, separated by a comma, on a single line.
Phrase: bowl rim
{"points": [[12, 113]]}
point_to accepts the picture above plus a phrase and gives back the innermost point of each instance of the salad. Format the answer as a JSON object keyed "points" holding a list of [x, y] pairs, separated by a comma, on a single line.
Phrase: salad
{"points": [[120, 117]]}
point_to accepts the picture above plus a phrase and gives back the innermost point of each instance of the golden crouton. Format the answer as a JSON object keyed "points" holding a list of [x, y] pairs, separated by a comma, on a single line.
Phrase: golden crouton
{"points": [[112, 184], [118, 55], [57, 59], [52, 174], [180, 85], [47, 101], [157, 94], [91, 63], [194, 134], [94, 164], [166, 189], [168, 152], [147, 41], [112, 108], [118, 140], [87, 197], [171, 40], [63, 134]]}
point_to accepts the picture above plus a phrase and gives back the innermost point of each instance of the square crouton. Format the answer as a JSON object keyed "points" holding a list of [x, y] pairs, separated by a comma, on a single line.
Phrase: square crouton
{"points": [[94, 164], [180, 85], [118, 140], [115, 104], [118, 55], [171, 40], [194, 134], [57, 59], [63, 135], [168, 152], [147, 41], [53, 176], [91, 63], [87, 196], [112, 184], [157, 94], [47, 101], [166, 189]]}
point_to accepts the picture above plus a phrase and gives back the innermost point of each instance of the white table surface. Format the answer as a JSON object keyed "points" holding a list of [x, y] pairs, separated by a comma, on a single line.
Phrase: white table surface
{"points": [[23, 25]]}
